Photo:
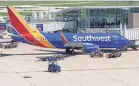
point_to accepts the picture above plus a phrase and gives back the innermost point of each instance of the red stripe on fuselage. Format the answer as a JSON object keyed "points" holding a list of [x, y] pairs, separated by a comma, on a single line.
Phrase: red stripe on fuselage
{"points": [[21, 28], [64, 38]]}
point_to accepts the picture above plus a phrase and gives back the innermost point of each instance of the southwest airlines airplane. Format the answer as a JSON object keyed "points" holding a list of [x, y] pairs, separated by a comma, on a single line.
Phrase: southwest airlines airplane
{"points": [[69, 41]]}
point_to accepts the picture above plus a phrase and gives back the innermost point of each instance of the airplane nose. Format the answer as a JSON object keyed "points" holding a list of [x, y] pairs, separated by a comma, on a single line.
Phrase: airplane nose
{"points": [[129, 42]]}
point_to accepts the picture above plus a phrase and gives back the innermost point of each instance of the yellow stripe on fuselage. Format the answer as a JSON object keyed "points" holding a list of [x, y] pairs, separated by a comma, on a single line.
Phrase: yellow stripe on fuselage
{"points": [[42, 39], [36, 34]]}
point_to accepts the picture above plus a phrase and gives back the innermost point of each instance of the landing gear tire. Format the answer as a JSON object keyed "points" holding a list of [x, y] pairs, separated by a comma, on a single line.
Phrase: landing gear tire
{"points": [[101, 54], [67, 50], [72, 52]]}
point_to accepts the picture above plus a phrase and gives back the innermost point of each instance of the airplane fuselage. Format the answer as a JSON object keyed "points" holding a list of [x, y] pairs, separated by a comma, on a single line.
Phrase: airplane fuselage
{"points": [[58, 40]]}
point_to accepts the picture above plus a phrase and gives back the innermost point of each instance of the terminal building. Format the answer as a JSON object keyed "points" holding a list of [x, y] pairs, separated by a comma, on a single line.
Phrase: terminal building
{"points": [[99, 17], [102, 16]]}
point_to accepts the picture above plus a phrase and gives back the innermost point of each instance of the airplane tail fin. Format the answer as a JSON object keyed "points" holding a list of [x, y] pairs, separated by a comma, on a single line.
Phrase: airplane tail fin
{"points": [[17, 21], [23, 29]]}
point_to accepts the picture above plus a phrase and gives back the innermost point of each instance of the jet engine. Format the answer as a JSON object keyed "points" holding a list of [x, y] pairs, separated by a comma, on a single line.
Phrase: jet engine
{"points": [[89, 47]]}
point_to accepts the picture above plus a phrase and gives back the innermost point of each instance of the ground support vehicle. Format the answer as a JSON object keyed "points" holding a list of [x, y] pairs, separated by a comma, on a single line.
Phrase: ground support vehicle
{"points": [[97, 53], [53, 66], [114, 54]]}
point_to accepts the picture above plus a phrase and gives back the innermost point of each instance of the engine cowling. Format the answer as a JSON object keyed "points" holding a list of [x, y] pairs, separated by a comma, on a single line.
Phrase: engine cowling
{"points": [[88, 48]]}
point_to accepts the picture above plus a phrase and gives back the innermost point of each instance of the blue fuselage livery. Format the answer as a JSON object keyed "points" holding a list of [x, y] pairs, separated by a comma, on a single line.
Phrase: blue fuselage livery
{"points": [[79, 38], [104, 40], [24, 33]]}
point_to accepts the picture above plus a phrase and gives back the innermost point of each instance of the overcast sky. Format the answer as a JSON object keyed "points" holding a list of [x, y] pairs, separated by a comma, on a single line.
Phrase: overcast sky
{"points": [[69, 0]]}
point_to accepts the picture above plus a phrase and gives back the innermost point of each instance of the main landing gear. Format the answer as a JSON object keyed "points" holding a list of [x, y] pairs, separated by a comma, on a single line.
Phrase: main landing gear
{"points": [[70, 51]]}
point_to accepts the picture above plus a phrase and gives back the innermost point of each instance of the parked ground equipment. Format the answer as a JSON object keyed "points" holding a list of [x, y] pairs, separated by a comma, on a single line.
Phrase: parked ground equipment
{"points": [[10, 46], [55, 56], [53, 66], [59, 56], [114, 54], [97, 53]]}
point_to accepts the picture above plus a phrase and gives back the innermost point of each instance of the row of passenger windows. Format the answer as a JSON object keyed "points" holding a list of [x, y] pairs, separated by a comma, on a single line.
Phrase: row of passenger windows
{"points": [[41, 38]]}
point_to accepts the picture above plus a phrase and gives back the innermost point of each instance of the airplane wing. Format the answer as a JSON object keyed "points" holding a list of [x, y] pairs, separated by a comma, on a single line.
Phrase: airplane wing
{"points": [[85, 47], [74, 45], [82, 46]]}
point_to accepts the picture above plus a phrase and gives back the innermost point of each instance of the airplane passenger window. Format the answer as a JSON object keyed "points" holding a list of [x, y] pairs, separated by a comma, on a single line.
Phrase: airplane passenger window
{"points": [[115, 37], [122, 38]]}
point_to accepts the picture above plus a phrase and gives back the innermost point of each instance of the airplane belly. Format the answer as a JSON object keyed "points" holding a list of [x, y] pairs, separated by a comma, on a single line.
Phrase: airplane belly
{"points": [[101, 44], [57, 43], [111, 44]]}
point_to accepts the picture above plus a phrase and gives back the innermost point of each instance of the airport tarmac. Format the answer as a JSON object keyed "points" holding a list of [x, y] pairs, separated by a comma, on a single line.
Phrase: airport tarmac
{"points": [[78, 70]]}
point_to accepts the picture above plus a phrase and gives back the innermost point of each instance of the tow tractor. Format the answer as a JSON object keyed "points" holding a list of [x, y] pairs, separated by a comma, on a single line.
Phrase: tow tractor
{"points": [[53, 66], [97, 53], [57, 57], [114, 54], [12, 44]]}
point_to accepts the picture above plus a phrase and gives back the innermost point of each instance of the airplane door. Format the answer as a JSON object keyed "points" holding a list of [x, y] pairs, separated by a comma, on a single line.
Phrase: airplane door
{"points": [[116, 39], [40, 39]]}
